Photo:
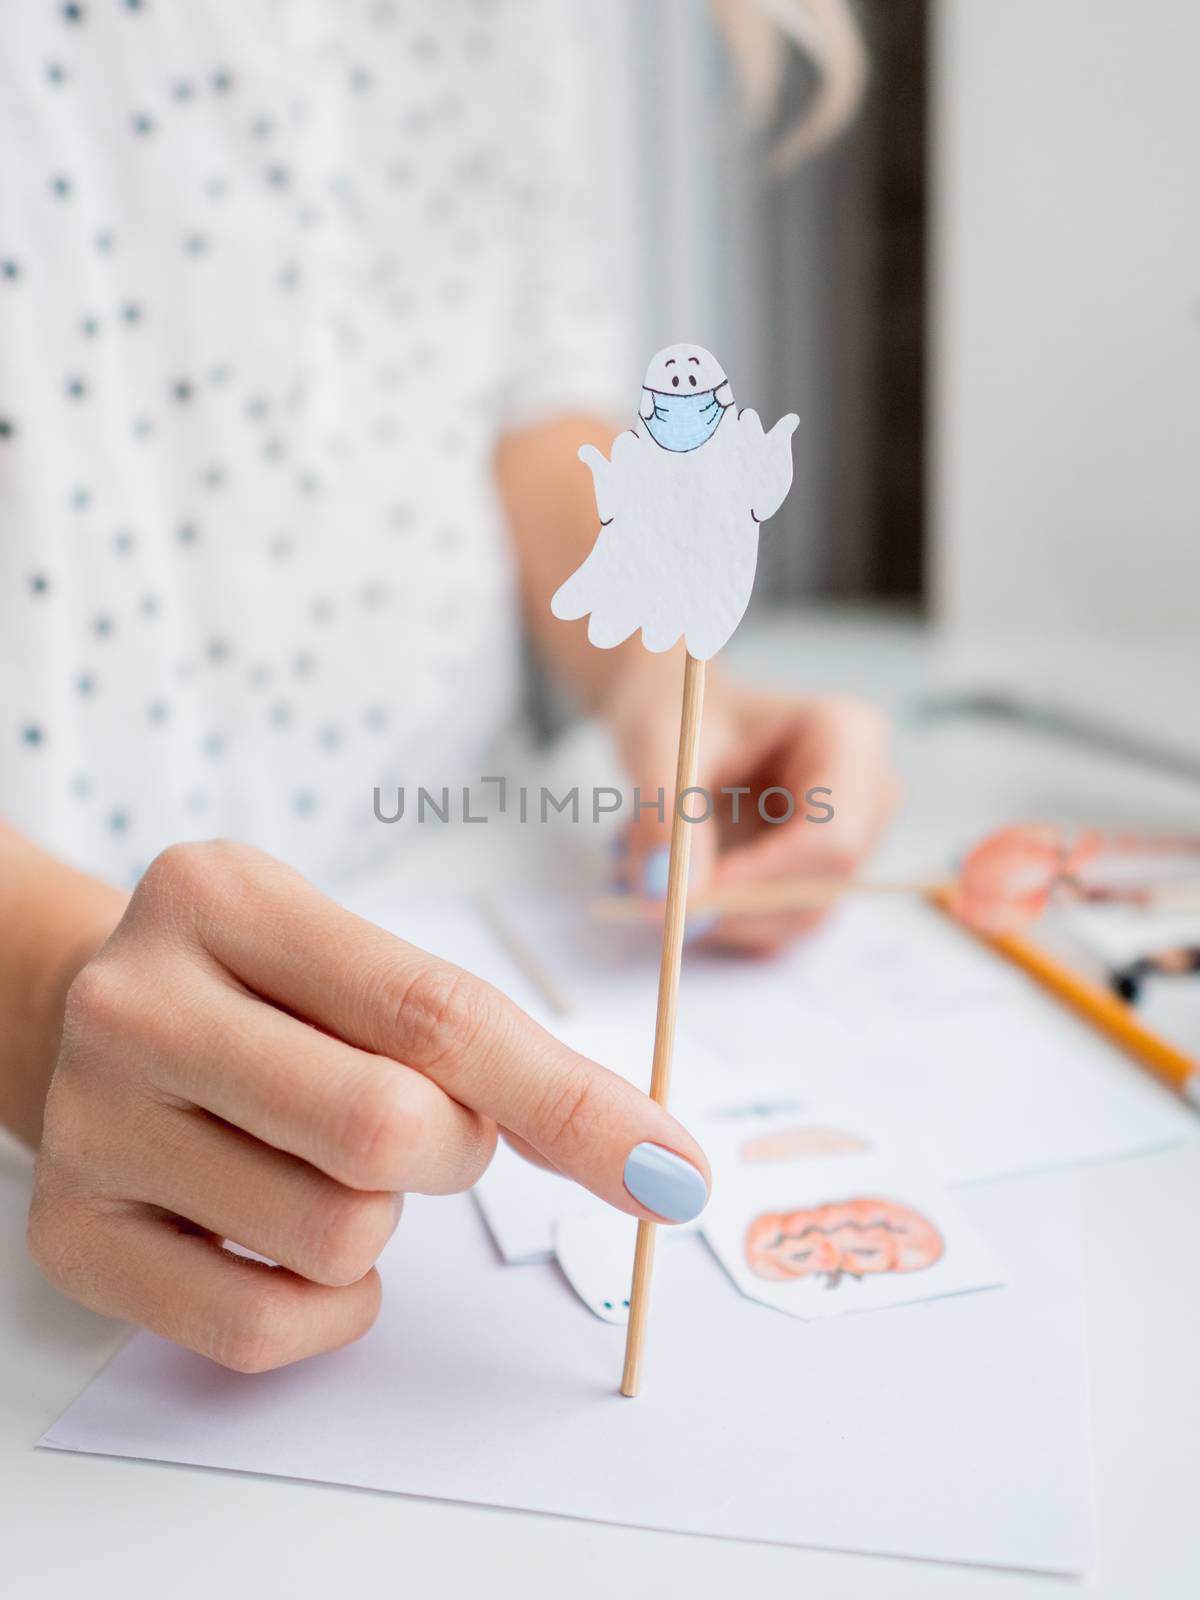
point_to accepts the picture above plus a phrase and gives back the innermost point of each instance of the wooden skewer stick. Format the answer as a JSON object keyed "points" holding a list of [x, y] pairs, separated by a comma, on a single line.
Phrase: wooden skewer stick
{"points": [[799, 894], [668, 998]]}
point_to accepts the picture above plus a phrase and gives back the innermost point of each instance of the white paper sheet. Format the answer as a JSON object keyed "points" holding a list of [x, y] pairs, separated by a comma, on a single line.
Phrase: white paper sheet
{"points": [[967, 1064], [954, 1429]]}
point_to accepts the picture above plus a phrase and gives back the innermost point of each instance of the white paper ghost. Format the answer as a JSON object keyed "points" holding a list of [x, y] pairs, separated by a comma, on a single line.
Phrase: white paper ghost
{"points": [[680, 504]]}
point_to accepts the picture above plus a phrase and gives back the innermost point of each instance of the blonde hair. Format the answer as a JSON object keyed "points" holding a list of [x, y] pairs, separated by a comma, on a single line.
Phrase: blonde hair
{"points": [[758, 33]]}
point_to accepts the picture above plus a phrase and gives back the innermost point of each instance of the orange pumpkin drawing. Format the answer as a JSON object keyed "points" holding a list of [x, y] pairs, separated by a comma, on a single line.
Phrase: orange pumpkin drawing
{"points": [[854, 1238]]}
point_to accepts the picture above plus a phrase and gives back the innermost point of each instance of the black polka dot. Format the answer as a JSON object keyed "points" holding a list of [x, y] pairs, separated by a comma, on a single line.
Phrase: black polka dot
{"points": [[262, 127], [8, 429], [102, 626], [81, 498], [135, 5], [143, 427], [150, 605], [304, 803], [32, 734], [39, 583], [131, 313], [195, 244], [55, 73], [89, 327], [76, 389], [278, 176], [143, 124], [9, 270], [213, 477], [73, 13], [157, 711], [187, 533], [183, 90], [118, 821], [213, 746], [217, 651], [222, 81], [60, 186], [123, 542], [106, 242], [85, 685], [181, 390]]}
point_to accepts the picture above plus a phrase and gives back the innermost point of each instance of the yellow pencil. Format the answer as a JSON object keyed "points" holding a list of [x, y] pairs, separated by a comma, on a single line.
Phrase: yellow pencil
{"points": [[1103, 1010]]}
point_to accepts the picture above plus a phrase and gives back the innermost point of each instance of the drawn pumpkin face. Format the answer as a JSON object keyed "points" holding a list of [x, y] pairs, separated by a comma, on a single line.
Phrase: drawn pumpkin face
{"points": [[855, 1237]]}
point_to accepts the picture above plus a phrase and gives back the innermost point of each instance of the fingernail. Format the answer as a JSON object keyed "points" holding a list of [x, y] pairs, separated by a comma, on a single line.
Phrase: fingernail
{"points": [[655, 871], [665, 1183], [397, 1210], [700, 925]]}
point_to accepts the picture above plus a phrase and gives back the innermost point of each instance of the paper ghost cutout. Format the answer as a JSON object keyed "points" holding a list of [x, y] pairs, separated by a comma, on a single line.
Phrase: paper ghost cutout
{"points": [[680, 504]]}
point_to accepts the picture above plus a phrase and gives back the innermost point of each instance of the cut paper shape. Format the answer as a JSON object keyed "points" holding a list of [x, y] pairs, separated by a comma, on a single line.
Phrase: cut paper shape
{"points": [[680, 503], [858, 1237], [793, 1144], [849, 1235], [595, 1252]]}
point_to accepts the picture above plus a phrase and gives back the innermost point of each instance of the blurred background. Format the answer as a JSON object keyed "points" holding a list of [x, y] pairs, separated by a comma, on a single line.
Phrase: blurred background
{"points": [[983, 300]]}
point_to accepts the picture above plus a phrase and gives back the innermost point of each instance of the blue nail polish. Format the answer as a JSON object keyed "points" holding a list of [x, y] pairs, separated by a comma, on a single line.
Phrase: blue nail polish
{"points": [[665, 1183], [655, 870], [700, 925]]}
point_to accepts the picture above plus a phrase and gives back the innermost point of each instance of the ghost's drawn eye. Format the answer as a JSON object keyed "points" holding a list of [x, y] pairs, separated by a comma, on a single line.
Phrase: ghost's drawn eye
{"points": [[675, 381], [692, 379]]}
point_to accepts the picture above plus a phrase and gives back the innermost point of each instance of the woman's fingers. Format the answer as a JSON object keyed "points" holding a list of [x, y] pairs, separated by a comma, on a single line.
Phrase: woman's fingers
{"points": [[387, 998], [361, 1118], [229, 1184], [127, 1261], [838, 746]]}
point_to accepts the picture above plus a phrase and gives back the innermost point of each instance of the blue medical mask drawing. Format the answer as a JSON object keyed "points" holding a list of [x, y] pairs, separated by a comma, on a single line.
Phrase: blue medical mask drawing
{"points": [[683, 421]]}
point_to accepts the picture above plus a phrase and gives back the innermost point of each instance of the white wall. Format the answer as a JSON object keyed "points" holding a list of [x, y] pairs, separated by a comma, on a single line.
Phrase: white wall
{"points": [[686, 193], [1066, 361]]}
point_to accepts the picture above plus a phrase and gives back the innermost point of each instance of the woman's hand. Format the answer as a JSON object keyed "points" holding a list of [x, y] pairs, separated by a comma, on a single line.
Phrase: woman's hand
{"points": [[755, 740], [245, 1061]]}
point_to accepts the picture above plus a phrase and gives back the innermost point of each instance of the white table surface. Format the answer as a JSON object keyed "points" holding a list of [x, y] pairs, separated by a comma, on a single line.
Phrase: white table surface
{"points": [[94, 1526]]}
